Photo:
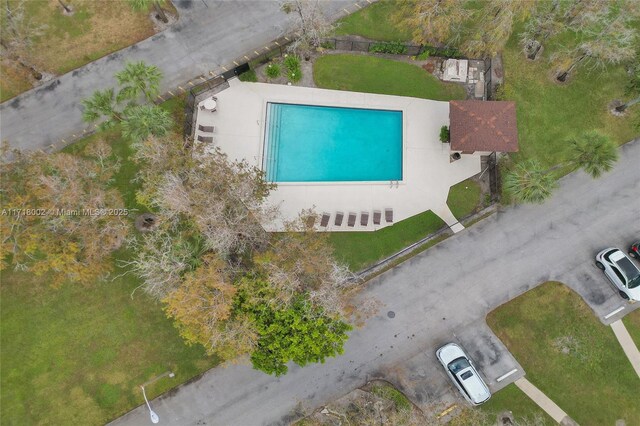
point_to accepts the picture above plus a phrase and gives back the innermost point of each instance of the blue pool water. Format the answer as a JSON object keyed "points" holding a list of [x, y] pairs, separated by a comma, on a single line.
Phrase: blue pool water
{"points": [[305, 143]]}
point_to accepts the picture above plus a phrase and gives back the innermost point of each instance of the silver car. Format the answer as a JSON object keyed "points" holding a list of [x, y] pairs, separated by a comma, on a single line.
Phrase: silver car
{"points": [[463, 374], [621, 271]]}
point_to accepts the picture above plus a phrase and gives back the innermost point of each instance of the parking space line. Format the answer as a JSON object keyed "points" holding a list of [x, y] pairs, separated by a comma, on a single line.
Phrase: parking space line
{"points": [[504, 376], [612, 313]]}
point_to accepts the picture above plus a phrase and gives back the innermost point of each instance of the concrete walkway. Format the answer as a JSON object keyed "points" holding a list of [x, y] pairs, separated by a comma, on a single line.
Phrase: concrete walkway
{"points": [[543, 401], [208, 35], [628, 345]]}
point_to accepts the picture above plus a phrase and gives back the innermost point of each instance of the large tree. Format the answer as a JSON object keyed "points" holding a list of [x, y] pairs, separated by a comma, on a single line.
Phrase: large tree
{"points": [[143, 121], [633, 86], [529, 182], [434, 22], [138, 78], [310, 24], [17, 32], [60, 216], [593, 152]]}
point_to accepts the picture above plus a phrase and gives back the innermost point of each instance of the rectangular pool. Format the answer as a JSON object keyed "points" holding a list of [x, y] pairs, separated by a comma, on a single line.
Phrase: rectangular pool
{"points": [[306, 143]]}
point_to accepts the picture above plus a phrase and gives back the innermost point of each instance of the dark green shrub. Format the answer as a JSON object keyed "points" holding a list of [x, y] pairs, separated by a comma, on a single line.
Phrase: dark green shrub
{"points": [[327, 45], [295, 76], [248, 76], [273, 70], [394, 47], [292, 62], [444, 134]]}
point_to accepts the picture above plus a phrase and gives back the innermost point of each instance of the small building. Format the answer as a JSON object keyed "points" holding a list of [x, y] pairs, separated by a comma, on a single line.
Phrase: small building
{"points": [[483, 127]]}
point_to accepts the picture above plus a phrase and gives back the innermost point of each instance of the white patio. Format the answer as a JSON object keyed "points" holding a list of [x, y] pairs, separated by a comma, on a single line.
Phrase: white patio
{"points": [[428, 172]]}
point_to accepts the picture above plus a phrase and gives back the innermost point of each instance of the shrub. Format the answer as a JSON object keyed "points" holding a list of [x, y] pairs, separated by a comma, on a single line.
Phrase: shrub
{"points": [[444, 134], [273, 71], [295, 76], [394, 47], [327, 45], [292, 62], [248, 76]]}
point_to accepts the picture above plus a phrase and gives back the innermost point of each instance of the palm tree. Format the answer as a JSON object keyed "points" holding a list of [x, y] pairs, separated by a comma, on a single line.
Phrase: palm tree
{"points": [[138, 78], [528, 182], [594, 153], [144, 5], [633, 87], [145, 120], [102, 104]]}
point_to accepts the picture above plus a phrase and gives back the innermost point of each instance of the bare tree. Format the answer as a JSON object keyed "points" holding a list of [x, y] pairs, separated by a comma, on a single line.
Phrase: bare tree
{"points": [[16, 36], [311, 25], [434, 22]]}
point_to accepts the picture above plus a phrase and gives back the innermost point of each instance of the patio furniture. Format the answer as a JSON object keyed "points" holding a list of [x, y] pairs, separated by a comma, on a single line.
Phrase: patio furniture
{"points": [[351, 221], [206, 129], [388, 215], [339, 217], [207, 139], [364, 218], [324, 221], [210, 104], [376, 217]]}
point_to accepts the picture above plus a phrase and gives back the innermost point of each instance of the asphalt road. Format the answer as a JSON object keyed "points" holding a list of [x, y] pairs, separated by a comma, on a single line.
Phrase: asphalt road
{"points": [[208, 34], [441, 295]]}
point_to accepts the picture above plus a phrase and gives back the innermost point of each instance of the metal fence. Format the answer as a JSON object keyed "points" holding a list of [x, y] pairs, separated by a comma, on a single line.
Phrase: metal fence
{"points": [[196, 95], [369, 46], [488, 94]]}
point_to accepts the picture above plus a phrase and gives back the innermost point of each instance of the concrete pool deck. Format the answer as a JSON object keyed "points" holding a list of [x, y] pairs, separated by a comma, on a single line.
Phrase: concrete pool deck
{"points": [[428, 172]]}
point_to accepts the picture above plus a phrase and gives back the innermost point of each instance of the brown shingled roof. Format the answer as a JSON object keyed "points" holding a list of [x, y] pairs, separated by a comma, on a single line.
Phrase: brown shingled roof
{"points": [[483, 126]]}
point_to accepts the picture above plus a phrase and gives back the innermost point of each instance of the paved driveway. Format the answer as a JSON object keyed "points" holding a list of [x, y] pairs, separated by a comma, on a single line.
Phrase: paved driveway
{"points": [[208, 34], [440, 295]]}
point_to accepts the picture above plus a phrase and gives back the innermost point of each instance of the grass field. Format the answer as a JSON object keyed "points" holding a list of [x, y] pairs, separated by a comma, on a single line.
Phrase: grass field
{"points": [[95, 29], [359, 73], [361, 249], [374, 22], [77, 355], [632, 322], [569, 355], [464, 198]]}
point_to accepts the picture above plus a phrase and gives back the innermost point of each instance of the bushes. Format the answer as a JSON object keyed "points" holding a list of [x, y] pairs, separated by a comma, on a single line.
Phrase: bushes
{"points": [[394, 47], [273, 70], [444, 134], [292, 63]]}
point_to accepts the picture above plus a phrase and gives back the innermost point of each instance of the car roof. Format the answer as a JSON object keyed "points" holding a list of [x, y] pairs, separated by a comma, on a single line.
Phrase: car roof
{"points": [[475, 386], [628, 268]]}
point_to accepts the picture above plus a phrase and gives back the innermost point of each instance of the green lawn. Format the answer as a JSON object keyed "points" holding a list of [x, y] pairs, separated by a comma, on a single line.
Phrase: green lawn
{"points": [[374, 22], [549, 113], [632, 322], [78, 354], [513, 399], [361, 249], [569, 355], [359, 73], [464, 198]]}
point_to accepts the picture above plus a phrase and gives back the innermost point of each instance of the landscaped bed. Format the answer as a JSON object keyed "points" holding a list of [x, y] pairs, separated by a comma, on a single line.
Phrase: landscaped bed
{"points": [[95, 29], [567, 353]]}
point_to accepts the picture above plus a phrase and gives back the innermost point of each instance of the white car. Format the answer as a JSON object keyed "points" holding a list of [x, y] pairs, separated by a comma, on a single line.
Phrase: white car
{"points": [[464, 375], [621, 271]]}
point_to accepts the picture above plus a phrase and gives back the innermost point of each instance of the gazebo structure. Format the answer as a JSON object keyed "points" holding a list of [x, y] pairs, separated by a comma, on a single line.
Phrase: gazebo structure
{"points": [[483, 127]]}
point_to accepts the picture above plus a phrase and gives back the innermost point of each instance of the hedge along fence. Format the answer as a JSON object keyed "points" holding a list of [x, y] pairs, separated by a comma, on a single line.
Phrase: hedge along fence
{"points": [[396, 48]]}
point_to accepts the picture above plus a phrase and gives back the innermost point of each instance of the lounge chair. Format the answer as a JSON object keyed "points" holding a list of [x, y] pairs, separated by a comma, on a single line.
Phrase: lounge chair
{"points": [[324, 221], [351, 221], [339, 217], [206, 129], [364, 218], [388, 215], [207, 139], [376, 217]]}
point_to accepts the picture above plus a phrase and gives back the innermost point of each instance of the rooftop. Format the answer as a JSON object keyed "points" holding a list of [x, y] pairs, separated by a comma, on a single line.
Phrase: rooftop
{"points": [[483, 126]]}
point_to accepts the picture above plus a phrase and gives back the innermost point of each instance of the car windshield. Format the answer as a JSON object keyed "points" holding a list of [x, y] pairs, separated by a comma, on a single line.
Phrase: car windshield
{"points": [[630, 270], [458, 364]]}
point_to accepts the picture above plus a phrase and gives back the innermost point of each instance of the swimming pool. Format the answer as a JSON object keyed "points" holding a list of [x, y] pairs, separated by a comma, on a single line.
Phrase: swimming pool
{"points": [[307, 143]]}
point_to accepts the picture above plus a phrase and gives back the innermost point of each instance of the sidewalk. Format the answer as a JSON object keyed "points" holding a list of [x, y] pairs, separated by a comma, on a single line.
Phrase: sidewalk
{"points": [[628, 346], [544, 402]]}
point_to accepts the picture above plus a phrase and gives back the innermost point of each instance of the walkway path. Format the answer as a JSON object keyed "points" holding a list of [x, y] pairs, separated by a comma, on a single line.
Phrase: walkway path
{"points": [[208, 34], [433, 298], [544, 402], [628, 346]]}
